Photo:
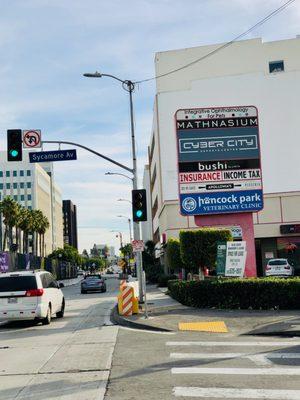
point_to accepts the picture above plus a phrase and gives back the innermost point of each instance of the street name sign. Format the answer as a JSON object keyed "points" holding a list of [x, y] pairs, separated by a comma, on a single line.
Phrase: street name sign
{"points": [[50, 156], [219, 169], [32, 138]]}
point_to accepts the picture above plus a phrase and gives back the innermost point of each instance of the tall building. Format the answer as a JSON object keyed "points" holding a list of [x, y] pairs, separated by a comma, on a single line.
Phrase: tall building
{"points": [[70, 223], [32, 187], [250, 72]]}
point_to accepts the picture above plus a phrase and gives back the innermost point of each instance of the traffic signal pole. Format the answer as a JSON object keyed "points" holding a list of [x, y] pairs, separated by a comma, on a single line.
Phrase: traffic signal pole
{"points": [[136, 228]]}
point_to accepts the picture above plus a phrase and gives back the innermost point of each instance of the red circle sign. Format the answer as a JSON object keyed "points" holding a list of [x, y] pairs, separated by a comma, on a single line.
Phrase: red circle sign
{"points": [[32, 138]]}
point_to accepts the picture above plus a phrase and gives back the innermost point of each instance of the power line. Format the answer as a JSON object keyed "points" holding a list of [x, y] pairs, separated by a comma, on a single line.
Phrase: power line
{"points": [[259, 23]]}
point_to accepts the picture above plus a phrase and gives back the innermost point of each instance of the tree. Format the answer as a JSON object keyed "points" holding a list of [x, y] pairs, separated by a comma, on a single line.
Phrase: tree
{"points": [[68, 254], [10, 210], [173, 255], [126, 250], [198, 249]]}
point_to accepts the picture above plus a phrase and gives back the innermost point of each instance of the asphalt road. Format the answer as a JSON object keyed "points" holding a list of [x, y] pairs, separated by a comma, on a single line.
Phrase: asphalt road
{"points": [[69, 359], [186, 365]]}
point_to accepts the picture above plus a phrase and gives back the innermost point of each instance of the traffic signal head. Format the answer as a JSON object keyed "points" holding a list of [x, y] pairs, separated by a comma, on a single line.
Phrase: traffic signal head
{"points": [[14, 145], [139, 205]]}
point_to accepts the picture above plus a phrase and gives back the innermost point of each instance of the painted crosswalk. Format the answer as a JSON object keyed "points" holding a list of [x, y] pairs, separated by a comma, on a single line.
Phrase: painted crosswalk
{"points": [[254, 359]]}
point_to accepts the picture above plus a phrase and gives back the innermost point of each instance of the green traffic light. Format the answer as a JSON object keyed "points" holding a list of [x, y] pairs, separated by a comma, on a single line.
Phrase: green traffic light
{"points": [[14, 153], [139, 213]]}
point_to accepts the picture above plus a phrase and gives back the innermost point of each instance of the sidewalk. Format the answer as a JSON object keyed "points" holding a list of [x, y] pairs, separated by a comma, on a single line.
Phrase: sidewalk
{"points": [[165, 313]]}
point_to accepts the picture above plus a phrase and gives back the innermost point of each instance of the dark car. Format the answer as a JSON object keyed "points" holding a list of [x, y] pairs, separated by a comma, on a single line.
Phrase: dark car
{"points": [[93, 283]]}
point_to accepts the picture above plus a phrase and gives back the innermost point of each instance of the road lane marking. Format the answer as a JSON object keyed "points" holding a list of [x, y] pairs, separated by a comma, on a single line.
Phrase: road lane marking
{"points": [[208, 344], [228, 393], [237, 371], [200, 356]]}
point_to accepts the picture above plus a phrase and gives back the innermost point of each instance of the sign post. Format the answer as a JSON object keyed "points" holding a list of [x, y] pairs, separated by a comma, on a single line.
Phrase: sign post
{"points": [[219, 169]]}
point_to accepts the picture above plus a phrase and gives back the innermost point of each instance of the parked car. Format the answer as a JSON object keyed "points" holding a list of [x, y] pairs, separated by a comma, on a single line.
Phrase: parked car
{"points": [[93, 283], [30, 295], [279, 267]]}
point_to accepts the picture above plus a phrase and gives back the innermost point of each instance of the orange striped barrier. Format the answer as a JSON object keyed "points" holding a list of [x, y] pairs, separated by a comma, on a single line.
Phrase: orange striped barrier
{"points": [[127, 300]]}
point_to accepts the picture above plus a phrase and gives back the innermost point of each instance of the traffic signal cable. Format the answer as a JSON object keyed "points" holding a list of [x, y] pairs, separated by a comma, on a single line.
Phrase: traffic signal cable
{"points": [[223, 46]]}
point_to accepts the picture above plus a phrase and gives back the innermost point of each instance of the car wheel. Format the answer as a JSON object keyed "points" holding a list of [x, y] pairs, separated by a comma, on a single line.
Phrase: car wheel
{"points": [[47, 320], [61, 313]]}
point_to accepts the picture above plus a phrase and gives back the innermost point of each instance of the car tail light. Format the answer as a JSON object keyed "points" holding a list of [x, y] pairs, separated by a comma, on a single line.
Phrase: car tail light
{"points": [[268, 268], [34, 292], [287, 267]]}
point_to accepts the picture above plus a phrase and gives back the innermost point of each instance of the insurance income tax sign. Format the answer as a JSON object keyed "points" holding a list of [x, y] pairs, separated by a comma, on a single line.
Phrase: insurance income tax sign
{"points": [[219, 160]]}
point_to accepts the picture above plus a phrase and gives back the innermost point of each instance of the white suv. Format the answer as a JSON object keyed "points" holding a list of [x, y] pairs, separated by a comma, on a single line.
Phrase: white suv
{"points": [[30, 295], [279, 267]]}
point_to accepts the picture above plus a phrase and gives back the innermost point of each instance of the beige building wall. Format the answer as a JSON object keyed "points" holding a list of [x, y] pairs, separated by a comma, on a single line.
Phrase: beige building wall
{"points": [[239, 75]]}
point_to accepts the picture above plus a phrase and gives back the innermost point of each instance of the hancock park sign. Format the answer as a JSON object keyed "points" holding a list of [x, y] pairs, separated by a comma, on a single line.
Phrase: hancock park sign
{"points": [[219, 160]]}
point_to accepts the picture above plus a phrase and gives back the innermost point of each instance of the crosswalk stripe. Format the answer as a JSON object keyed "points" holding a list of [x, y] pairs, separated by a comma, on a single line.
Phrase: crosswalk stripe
{"points": [[199, 356], [228, 393], [236, 371], [207, 344]]}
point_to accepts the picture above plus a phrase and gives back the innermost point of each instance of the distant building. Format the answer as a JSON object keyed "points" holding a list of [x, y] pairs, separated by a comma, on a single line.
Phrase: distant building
{"points": [[70, 223], [33, 187]]}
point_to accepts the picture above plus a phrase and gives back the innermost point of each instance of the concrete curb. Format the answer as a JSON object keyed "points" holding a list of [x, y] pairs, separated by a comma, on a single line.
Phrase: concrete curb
{"points": [[123, 321]]}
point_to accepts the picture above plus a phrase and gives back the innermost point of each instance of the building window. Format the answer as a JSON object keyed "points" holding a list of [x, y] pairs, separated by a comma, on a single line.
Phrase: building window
{"points": [[28, 172], [14, 173], [7, 174], [28, 185], [276, 66], [22, 185], [22, 197], [15, 185], [8, 186], [1, 174], [29, 197], [16, 198], [21, 173], [29, 208], [1, 185]]}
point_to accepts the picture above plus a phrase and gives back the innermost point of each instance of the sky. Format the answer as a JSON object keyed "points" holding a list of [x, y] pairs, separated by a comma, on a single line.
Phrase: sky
{"points": [[46, 46]]}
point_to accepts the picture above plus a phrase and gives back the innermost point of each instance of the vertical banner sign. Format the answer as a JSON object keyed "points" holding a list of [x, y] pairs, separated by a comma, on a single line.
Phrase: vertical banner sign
{"points": [[221, 258], [235, 259], [219, 160], [4, 262]]}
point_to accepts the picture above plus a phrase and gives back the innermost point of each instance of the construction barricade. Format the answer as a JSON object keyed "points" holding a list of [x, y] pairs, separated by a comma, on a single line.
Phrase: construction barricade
{"points": [[127, 303]]}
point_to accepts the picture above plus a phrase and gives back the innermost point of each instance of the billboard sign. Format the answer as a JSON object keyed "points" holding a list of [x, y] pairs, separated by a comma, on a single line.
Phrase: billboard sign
{"points": [[219, 167]]}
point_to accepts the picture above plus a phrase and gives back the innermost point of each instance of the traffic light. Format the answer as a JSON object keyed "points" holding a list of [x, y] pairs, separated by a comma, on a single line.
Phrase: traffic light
{"points": [[139, 205], [14, 145]]}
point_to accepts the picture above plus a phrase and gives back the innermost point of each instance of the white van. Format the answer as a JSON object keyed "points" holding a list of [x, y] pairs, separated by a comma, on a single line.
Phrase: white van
{"points": [[27, 295]]}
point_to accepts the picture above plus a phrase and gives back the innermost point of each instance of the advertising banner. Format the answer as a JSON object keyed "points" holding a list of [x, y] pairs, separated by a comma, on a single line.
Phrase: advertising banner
{"points": [[221, 258], [219, 160], [4, 262], [235, 259]]}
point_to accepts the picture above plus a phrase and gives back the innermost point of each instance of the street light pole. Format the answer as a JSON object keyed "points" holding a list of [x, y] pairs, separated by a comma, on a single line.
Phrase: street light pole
{"points": [[129, 86], [129, 224]]}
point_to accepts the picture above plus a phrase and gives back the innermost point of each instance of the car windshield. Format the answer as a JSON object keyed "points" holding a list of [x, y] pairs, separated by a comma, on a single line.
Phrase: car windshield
{"points": [[17, 283], [278, 262]]}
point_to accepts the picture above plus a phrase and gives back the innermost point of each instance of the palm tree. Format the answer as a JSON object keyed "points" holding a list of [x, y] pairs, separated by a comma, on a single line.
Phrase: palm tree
{"points": [[26, 225], [10, 210], [44, 225], [37, 217]]}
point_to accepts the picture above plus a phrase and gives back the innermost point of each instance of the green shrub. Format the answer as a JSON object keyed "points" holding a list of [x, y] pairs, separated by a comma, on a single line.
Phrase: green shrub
{"points": [[164, 279], [255, 293], [198, 249], [153, 272], [173, 255]]}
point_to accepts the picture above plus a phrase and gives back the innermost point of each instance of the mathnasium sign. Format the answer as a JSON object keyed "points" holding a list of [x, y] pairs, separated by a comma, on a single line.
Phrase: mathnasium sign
{"points": [[219, 160], [50, 156]]}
